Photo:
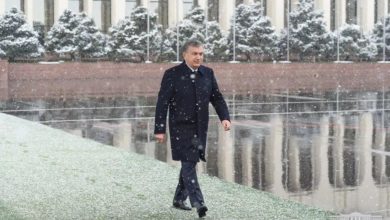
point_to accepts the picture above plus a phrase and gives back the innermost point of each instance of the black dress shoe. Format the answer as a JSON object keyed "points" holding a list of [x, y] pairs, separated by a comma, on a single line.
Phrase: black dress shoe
{"points": [[202, 211], [181, 205]]}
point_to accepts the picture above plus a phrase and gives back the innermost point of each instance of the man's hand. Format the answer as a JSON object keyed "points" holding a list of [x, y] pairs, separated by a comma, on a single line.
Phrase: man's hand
{"points": [[160, 138], [226, 125]]}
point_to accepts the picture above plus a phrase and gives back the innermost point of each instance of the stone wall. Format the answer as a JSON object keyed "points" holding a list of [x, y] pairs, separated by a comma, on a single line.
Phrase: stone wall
{"points": [[100, 79], [3, 80]]}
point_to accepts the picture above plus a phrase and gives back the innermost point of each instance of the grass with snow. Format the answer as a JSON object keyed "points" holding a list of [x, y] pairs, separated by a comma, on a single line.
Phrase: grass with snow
{"points": [[50, 174]]}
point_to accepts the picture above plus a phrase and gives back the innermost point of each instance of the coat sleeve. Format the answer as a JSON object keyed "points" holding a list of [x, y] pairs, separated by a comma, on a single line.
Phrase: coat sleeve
{"points": [[218, 101], [164, 96]]}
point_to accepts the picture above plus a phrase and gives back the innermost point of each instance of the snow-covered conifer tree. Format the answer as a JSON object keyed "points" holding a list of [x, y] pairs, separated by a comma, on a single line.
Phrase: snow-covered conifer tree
{"points": [[76, 35], [129, 36], [308, 35], [377, 36], [17, 38], [216, 43], [367, 48], [354, 45], [262, 36], [89, 40], [62, 35], [193, 26], [254, 33]]}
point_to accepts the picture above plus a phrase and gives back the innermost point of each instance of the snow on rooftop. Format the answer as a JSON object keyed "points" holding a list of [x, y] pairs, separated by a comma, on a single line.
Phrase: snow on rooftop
{"points": [[50, 174]]}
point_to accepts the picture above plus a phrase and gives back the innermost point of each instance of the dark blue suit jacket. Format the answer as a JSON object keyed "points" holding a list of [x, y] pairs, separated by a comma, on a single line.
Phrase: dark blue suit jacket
{"points": [[187, 96]]}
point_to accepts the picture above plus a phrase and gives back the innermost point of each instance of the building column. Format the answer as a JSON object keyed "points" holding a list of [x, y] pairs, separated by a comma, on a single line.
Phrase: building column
{"points": [[225, 152], [174, 13], [341, 13], [122, 137], [321, 185], [380, 159], [366, 15], [324, 6], [144, 3], [3, 80], [338, 152], [383, 6], [29, 11], [246, 158], [118, 8], [364, 151], [293, 164], [248, 2], [203, 4], [88, 7], [294, 4], [59, 7], [226, 12], [273, 157], [2, 7], [274, 11], [320, 156], [364, 164]]}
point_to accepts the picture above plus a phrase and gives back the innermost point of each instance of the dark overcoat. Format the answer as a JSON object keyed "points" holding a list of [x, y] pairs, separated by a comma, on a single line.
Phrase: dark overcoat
{"points": [[187, 95]]}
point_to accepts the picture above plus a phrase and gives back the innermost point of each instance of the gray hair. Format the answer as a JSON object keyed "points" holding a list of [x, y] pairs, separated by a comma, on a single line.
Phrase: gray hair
{"points": [[191, 43]]}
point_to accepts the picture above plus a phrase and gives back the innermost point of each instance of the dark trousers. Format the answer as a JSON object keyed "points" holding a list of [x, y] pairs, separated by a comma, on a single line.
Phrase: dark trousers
{"points": [[188, 185]]}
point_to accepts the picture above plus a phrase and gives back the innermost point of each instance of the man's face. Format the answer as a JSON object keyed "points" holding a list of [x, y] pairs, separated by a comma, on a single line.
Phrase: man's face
{"points": [[193, 56]]}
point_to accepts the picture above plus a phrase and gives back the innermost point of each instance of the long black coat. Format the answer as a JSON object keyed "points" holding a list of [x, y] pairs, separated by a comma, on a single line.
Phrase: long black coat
{"points": [[187, 94]]}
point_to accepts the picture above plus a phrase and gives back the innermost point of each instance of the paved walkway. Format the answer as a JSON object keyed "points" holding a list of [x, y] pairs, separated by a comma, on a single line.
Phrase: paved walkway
{"points": [[49, 174]]}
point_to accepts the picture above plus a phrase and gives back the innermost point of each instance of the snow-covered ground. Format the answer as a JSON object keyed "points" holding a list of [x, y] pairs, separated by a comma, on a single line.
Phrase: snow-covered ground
{"points": [[49, 174]]}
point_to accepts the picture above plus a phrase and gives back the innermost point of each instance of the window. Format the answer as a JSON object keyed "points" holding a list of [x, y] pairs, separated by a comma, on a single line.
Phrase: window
{"points": [[39, 15], [287, 10], [333, 15], [351, 11], [163, 13], [213, 7], [102, 14], [187, 6]]}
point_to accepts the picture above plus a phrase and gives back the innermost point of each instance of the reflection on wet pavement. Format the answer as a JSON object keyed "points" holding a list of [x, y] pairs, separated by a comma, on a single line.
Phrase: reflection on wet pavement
{"points": [[326, 149]]}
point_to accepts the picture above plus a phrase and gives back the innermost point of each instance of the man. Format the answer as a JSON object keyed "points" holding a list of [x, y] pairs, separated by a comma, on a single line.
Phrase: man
{"points": [[186, 90]]}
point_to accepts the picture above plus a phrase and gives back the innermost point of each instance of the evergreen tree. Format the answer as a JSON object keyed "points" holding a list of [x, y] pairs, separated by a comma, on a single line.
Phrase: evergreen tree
{"points": [[129, 37], [17, 38], [189, 28], [377, 36], [244, 19], [353, 45], [216, 44], [254, 35], [62, 35], [262, 37], [89, 40], [76, 35], [368, 49], [193, 26], [308, 34]]}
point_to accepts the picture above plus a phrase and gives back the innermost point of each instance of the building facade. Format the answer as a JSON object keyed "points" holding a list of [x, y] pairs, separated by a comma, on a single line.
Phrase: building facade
{"points": [[43, 13]]}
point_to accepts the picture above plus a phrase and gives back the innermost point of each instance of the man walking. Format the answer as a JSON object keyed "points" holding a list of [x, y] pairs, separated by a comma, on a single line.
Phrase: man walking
{"points": [[186, 90]]}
